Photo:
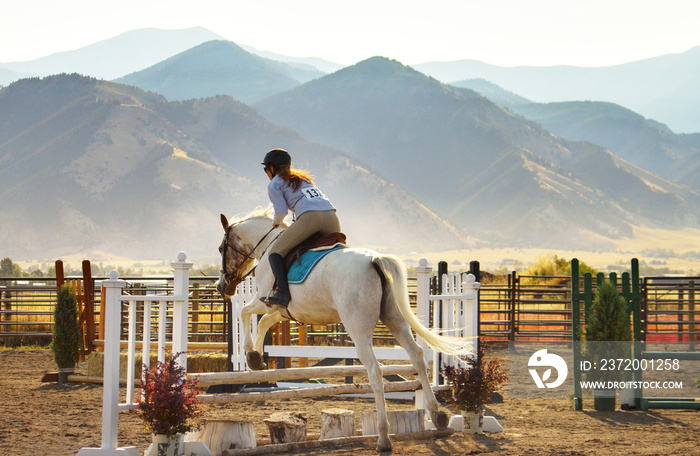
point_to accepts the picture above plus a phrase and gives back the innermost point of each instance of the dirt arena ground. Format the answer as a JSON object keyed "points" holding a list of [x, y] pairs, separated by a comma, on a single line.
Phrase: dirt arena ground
{"points": [[49, 419]]}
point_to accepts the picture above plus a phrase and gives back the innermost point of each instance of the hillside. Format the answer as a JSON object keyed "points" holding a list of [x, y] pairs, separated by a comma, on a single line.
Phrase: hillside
{"points": [[493, 92], [663, 88], [501, 177], [89, 165], [219, 68], [644, 142]]}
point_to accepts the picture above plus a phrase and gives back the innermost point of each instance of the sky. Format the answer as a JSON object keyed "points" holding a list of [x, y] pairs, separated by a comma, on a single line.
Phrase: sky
{"points": [[499, 32]]}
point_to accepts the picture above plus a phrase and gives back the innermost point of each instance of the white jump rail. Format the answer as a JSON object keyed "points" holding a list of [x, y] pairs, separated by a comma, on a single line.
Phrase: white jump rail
{"points": [[113, 304]]}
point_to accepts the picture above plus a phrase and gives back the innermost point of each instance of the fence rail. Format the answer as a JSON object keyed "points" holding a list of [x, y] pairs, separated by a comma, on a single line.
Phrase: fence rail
{"points": [[520, 308]]}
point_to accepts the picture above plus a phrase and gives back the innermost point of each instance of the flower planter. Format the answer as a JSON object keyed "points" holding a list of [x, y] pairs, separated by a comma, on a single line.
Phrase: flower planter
{"points": [[604, 400], [473, 422], [166, 445], [63, 374]]}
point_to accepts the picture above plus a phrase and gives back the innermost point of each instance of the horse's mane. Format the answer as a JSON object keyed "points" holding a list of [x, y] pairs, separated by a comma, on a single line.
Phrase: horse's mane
{"points": [[258, 212]]}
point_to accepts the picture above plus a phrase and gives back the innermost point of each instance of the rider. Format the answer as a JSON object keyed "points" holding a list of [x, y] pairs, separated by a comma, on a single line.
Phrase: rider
{"points": [[293, 189]]}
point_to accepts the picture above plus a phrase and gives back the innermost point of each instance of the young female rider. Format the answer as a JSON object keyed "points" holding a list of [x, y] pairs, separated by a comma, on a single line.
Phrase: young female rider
{"points": [[293, 189]]}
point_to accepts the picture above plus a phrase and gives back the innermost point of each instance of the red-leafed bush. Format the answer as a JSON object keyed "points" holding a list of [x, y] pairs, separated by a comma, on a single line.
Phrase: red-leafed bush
{"points": [[169, 403], [474, 384]]}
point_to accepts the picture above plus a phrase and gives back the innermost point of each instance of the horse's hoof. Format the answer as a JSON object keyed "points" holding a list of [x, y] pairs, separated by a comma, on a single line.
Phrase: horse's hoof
{"points": [[255, 361], [440, 421], [383, 447]]}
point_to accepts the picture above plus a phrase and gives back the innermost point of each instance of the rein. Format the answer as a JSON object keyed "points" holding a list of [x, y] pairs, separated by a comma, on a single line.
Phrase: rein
{"points": [[234, 276]]}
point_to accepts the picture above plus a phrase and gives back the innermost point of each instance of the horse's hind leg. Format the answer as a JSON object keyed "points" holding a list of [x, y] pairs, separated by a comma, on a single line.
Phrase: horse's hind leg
{"points": [[374, 371], [393, 320]]}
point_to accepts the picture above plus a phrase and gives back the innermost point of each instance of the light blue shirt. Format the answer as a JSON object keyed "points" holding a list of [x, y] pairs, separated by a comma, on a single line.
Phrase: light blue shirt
{"points": [[284, 199]]}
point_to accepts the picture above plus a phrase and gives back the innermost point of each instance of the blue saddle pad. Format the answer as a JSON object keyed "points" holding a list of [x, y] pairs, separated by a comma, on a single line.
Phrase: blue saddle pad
{"points": [[298, 272]]}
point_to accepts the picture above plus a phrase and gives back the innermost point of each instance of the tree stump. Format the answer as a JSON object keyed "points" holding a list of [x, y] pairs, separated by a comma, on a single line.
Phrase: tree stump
{"points": [[286, 427], [222, 435], [400, 422], [336, 422]]}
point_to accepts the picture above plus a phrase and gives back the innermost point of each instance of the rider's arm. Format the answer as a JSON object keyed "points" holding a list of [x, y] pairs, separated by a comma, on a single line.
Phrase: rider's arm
{"points": [[279, 203]]}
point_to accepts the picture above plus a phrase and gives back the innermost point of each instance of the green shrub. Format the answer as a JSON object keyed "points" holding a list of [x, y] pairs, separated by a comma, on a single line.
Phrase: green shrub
{"points": [[66, 331], [609, 319]]}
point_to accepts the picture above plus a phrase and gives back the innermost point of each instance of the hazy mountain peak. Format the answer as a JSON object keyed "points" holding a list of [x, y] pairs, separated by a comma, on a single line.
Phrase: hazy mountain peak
{"points": [[108, 59]]}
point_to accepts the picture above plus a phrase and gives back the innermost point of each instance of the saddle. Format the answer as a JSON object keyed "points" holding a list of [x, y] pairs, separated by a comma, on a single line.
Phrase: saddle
{"points": [[314, 241]]}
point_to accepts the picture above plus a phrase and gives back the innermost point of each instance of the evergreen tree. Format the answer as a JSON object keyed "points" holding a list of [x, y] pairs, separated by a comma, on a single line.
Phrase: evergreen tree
{"points": [[66, 331]]}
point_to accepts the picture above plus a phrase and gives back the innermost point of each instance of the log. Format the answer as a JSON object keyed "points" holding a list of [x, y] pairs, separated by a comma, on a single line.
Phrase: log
{"points": [[286, 427], [222, 435], [336, 422], [296, 373], [400, 422], [331, 390], [335, 443]]}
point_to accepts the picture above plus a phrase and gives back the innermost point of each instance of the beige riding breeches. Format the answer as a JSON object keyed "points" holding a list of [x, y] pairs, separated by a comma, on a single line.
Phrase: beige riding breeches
{"points": [[308, 223]]}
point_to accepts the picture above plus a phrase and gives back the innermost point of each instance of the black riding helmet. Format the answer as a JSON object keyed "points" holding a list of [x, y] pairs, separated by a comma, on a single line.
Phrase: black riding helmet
{"points": [[280, 158]]}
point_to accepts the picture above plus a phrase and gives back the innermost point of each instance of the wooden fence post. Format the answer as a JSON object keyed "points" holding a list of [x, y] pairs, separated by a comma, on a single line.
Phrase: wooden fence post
{"points": [[88, 308], [60, 276]]}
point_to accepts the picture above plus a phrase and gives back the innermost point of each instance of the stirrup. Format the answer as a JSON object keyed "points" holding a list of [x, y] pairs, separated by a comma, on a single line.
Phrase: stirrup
{"points": [[278, 299]]}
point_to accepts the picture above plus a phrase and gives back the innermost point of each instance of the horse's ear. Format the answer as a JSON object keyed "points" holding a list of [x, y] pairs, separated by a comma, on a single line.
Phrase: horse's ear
{"points": [[224, 222]]}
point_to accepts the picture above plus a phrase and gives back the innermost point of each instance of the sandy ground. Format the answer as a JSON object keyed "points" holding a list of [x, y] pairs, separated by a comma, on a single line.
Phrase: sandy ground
{"points": [[50, 419]]}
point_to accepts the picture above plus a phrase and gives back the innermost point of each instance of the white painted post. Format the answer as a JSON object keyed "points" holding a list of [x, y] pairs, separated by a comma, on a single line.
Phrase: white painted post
{"points": [[110, 398], [423, 272], [181, 282], [470, 287], [110, 395], [244, 294]]}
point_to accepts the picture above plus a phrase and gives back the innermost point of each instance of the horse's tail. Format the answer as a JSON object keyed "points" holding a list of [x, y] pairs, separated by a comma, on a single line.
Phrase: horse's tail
{"points": [[395, 284]]}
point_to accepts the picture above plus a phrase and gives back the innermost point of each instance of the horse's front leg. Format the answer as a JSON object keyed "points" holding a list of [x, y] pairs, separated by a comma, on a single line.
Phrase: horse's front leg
{"points": [[265, 323], [254, 307]]}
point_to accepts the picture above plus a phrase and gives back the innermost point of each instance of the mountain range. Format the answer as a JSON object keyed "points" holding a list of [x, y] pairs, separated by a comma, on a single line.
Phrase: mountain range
{"points": [[93, 165], [493, 172], [109, 59], [644, 142], [665, 88], [411, 162], [662, 88], [220, 67]]}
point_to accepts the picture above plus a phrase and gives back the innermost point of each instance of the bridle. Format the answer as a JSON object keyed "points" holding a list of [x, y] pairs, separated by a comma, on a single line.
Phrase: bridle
{"points": [[232, 279]]}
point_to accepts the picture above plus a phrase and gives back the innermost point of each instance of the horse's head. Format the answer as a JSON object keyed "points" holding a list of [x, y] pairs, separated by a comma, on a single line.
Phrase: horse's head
{"points": [[236, 259]]}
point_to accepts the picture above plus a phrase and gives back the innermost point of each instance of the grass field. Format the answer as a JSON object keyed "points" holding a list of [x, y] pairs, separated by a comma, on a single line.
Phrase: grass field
{"points": [[659, 251]]}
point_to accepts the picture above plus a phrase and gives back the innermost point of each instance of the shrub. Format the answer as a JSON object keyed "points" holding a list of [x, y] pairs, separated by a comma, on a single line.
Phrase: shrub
{"points": [[552, 265], [609, 319], [169, 403], [66, 331], [474, 384]]}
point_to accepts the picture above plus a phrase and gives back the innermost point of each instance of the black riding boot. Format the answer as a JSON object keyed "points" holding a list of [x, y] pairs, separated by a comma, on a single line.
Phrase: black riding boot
{"points": [[281, 296]]}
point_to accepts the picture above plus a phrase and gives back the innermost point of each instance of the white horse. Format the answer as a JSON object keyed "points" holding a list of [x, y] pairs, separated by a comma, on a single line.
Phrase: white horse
{"points": [[357, 287]]}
